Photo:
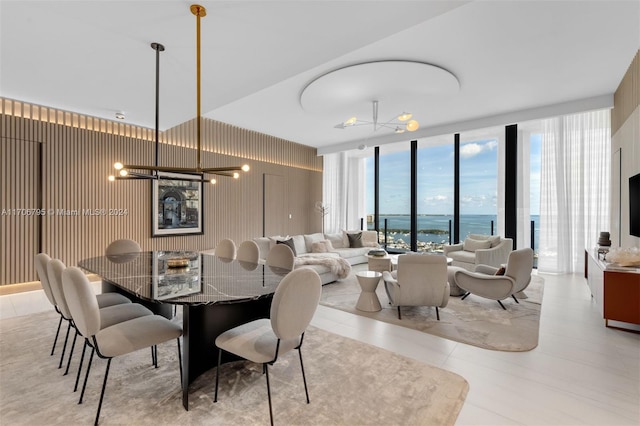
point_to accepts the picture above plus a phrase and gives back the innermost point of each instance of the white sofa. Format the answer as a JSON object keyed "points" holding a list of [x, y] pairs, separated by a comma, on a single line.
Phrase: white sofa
{"points": [[318, 245], [478, 249]]}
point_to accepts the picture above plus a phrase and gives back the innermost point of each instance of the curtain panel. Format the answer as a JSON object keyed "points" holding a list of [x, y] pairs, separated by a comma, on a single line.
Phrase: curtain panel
{"points": [[574, 188]]}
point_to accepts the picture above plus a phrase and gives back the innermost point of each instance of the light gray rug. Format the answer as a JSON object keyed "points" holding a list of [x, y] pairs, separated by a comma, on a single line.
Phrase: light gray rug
{"points": [[350, 383], [475, 321]]}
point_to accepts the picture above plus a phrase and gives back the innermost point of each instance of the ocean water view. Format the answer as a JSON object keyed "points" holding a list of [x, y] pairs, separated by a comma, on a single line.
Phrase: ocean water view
{"points": [[433, 230]]}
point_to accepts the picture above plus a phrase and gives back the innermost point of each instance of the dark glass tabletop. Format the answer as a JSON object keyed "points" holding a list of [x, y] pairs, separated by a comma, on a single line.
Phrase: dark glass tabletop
{"points": [[185, 277]]}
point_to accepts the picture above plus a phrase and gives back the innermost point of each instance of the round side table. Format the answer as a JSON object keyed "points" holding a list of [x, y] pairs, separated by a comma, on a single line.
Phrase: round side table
{"points": [[368, 300]]}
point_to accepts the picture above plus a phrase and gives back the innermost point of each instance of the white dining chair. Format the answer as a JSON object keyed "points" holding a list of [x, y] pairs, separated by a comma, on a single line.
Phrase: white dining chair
{"points": [[226, 249], [118, 339], [263, 341]]}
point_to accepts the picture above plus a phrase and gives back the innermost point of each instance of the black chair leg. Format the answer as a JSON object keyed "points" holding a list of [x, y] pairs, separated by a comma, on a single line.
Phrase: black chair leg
{"points": [[215, 398], [304, 379], [464, 296], [180, 360], [266, 372], [437, 314], [53, 348], [73, 345], [86, 375], [104, 385], [502, 305], [64, 348], [399, 315], [514, 298], [84, 349]]}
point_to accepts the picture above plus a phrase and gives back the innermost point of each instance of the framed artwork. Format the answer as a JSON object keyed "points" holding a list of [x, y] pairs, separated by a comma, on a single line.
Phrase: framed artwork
{"points": [[176, 204]]}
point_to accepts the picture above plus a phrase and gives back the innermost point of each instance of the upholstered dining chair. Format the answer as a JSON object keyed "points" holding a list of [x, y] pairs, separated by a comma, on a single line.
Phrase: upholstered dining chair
{"points": [[226, 249], [118, 339], [109, 315], [420, 280], [122, 246], [108, 299], [281, 256], [484, 283], [248, 251], [262, 341], [41, 261]]}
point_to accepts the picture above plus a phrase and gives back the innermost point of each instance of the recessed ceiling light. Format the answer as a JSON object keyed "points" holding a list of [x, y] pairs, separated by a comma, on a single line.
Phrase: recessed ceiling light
{"points": [[120, 115]]}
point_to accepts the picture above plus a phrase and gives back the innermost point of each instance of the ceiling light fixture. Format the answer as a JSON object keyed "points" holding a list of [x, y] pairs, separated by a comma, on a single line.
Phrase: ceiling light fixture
{"points": [[398, 124], [126, 171]]}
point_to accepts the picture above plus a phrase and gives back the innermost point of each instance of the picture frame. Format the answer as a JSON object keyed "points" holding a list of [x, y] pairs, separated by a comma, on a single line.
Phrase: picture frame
{"points": [[177, 205]]}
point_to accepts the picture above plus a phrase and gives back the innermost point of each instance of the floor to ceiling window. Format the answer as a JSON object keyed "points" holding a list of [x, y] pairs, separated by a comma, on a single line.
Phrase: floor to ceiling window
{"points": [[395, 196], [435, 192], [478, 184]]}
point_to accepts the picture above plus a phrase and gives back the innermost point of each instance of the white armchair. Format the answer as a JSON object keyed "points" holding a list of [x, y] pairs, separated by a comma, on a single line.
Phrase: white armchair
{"points": [[483, 282], [420, 280], [480, 250]]}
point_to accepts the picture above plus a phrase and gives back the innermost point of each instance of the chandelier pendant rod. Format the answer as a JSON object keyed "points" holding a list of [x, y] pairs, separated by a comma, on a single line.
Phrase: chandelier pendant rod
{"points": [[199, 12], [158, 48]]}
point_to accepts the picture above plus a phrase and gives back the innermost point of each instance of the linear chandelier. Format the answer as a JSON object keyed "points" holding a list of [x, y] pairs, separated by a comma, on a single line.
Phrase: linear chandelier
{"points": [[126, 171], [399, 124]]}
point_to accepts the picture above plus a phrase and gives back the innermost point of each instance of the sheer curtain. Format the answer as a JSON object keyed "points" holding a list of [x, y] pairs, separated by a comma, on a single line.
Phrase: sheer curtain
{"points": [[343, 192], [574, 188]]}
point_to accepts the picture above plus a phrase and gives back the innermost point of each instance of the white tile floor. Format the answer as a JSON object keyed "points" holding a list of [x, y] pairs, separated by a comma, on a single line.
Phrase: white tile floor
{"points": [[580, 374]]}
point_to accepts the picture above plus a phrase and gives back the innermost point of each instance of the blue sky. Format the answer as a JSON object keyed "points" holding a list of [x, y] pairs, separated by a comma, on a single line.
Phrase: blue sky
{"points": [[478, 179]]}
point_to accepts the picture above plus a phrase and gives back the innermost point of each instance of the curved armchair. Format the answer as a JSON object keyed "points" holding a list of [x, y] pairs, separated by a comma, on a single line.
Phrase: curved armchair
{"points": [[484, 283], [479, 250], [420, 280]]}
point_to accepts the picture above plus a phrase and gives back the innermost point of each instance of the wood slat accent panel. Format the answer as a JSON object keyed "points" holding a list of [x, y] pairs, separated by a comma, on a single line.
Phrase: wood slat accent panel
{"points": [[19, 223], [627, 97], [78, 153]]}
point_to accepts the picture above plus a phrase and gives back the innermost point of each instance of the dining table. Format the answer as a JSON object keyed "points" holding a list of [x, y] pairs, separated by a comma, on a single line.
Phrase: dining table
{"points": [[216, 294]]}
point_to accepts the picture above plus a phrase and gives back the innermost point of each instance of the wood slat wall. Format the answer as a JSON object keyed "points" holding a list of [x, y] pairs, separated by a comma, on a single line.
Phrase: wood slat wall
{"points": [[77, 155], [627, 97]]}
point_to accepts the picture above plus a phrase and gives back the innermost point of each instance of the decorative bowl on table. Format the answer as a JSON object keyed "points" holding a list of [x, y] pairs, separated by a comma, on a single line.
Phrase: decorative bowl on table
{"points": [[377, 253]]}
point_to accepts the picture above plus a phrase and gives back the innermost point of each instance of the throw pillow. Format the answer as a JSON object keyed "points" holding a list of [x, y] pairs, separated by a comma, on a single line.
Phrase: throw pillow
{"points": [[355, 240], [345, 236], [494, 240], [336, 240], [370, 238], [309, 239], [328, 244], [501, 271], [473, 245], [289, 243], [319, 247]]}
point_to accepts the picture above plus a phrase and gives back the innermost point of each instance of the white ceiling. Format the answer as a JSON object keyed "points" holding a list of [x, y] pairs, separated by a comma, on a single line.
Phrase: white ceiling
{"points": [[514, 60]]}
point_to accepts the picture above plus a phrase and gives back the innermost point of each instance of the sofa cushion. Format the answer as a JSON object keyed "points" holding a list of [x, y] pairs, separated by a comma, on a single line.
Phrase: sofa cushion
{"points": [[299, 243], [347, 253], [264, 245], [472, 245], [337, 240], [370, 239], [309, 239], [323, 246], [289, 243], [463, 256], [493, 239], [355, 240]]}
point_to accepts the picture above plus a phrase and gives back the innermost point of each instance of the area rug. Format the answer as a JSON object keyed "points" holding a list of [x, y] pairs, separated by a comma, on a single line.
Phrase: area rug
{"points": [[475, 321], [349, 383]]}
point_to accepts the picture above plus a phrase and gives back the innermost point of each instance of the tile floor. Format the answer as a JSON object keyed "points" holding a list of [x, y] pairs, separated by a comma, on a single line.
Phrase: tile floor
{"points": [[581, 373]]}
